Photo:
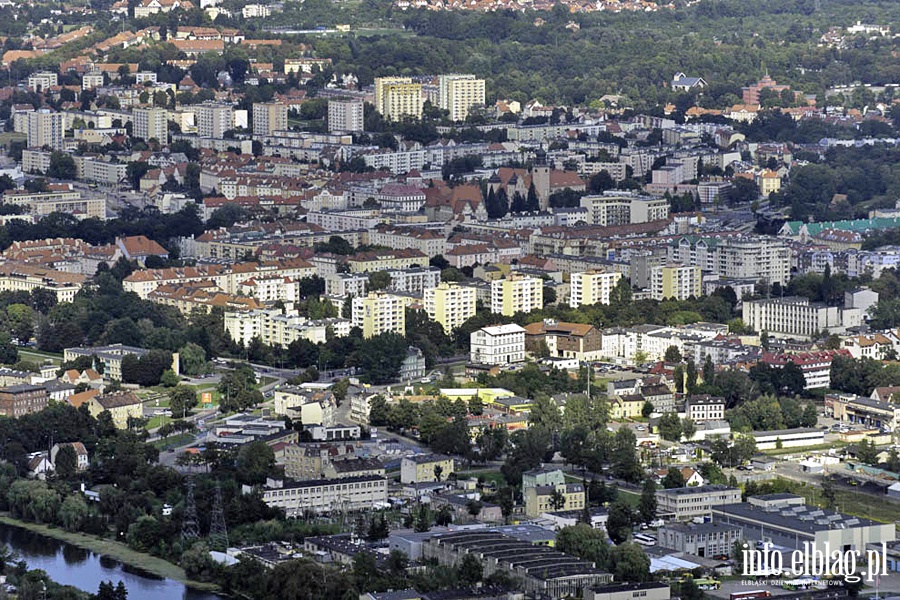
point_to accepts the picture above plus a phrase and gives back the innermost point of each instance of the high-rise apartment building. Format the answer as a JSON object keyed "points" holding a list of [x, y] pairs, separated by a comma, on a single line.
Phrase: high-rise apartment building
{"points": [[675, 281], [450, 305], [150, 123], [459, 93], [516, 293], [592, 287], [269, 117], [398, 97], [346, 114], [213, 120], [379, 313], [46, 128], [743, 257]]}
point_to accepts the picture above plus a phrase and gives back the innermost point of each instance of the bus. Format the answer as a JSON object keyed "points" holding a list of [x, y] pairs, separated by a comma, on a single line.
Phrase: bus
{"points": [[803, 583], [751, 595], [708, 584]]}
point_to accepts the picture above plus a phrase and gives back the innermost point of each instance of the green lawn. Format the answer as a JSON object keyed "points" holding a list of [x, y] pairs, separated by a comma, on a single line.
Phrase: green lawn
{"points": [[854, 503], [174, 441], [629, 498], [38, 356]]}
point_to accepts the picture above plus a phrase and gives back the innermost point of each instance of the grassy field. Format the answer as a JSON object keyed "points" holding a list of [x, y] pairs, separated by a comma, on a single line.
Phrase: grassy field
{"points": [[629, 498], [174, 441], [112, 549], [854, 503], [803, 450], [38, 356]]}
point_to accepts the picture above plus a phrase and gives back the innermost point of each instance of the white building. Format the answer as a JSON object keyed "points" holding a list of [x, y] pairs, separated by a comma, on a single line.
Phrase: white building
{"points": [[498, 345], [346, 115], [791, 315], [150, 123], [213, 120], [326, 495], [620, 208], [760, 258], [458, 93], [46, 128], [42, 81]]}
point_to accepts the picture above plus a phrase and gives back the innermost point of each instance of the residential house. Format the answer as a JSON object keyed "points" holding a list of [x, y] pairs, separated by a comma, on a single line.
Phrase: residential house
{"points": [[121, 406]]}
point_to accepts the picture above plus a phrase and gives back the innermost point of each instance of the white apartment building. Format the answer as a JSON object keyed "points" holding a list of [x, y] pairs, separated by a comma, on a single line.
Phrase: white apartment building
{"points": [[326, 495], [458, 93], [791, 315], [498, 345], [276, 329], [378, 313], [697, 501], [213, 119], [150, 123], [759, 258], [618, 208], [704, 408], [592, 287], [46, 128], [414, 280], [346, 115], [92, 80], [269, 117], [346, 284], [42, 81], [516, 293], [450, 305]]}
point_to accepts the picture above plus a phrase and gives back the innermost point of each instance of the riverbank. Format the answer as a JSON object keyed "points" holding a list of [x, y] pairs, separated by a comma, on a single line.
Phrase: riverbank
{"points": [[116, 550]]}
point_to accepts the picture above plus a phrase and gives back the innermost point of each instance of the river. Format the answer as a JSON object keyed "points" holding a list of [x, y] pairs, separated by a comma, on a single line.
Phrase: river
{"points": [[84, 569]]}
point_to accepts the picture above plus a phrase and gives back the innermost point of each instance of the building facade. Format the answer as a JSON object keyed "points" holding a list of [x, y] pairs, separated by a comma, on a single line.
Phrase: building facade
{"points": [[378, 313], [450, 305], [498, 345], [592, 287], [516, 293]]}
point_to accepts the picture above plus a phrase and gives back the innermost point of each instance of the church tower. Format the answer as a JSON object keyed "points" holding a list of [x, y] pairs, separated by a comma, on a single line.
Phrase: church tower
{"points": [[540, 178]]}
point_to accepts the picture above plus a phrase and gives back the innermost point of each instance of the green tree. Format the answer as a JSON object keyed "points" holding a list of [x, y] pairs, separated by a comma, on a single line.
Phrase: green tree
{"points": [[192, 359], [471, 570], [619, 522], [66, 464], [255, 461], [182, 399], [648, 503], [673, 479], [73, 512], [673, 355], [62, 166], [629, 563], [670, 427]]}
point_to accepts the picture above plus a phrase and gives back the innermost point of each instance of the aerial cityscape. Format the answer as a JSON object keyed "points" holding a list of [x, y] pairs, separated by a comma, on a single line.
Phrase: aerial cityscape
{"points": [[449, 300]]}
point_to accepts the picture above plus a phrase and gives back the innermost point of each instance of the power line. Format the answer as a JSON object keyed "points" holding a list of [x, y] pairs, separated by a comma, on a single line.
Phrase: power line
{"points": [[190, 527], [218, 532]]}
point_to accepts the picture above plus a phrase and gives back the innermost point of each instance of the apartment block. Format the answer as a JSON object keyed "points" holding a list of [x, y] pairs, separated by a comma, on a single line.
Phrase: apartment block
{"points": [[42, 81], [424, 468], [516, 293], [213, 120], [704, 407], [675, 281], [398, 97], [46, 128], [617, 208], [326, 495], [791, 315], [742, 257], [592, 287], [688, 502], [450, 305], [269, 117], [497, 345], [276, 329], [540, 499], [18, 400], [346, 115], [151, 123], [379, 313], [458, 93]]}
